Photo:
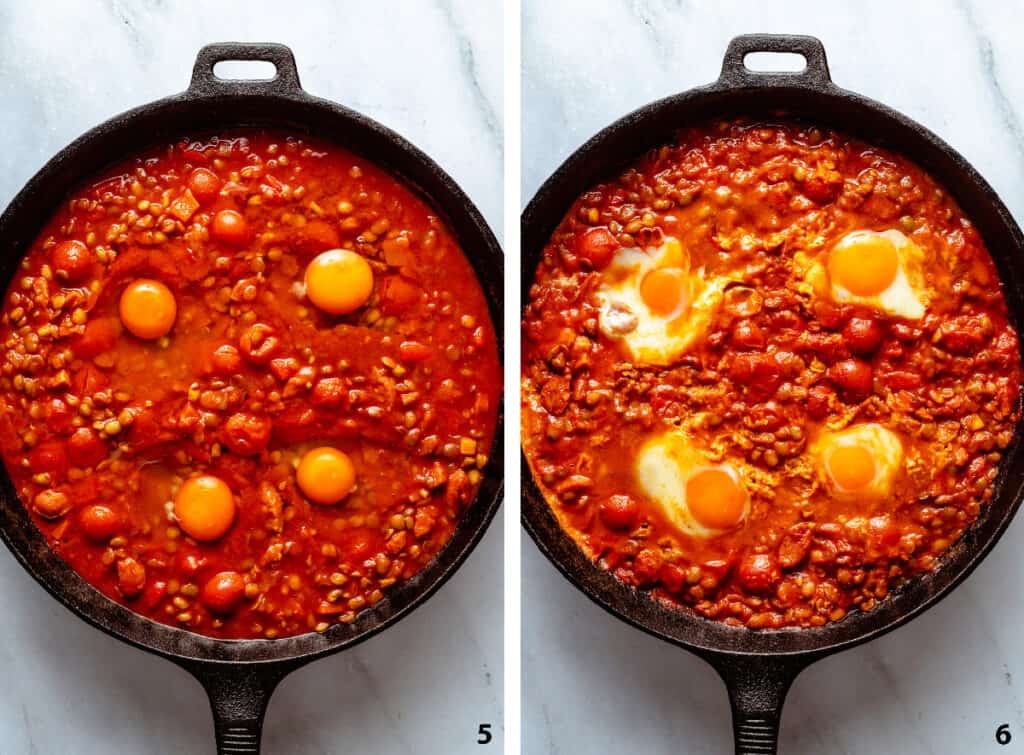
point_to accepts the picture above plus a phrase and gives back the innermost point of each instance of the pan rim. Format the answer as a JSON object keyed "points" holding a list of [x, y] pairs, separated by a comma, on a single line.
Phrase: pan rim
{"points": [[284, 111], [680, 626]]}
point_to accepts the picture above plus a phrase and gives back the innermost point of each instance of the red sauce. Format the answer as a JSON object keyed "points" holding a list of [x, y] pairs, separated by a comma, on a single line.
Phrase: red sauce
{"points": [[99, 428], [778, 365]]}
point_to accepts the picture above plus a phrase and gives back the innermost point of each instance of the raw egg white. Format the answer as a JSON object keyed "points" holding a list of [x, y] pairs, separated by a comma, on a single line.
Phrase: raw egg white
{"points": [[654, 304], [701, 498], [860, 462], [882, 270]]}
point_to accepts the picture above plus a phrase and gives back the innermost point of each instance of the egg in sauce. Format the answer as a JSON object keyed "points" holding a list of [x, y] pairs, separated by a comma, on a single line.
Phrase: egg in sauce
{"points": [[881, 270], [338, 281], [703, 499], [860, 463], [655, 304], [147, 309]]}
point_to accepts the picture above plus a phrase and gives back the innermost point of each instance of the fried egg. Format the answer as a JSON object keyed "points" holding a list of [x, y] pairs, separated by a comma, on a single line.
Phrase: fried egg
{"points": [[652, 302], [860, 462], [882, 270], [701, 498]]}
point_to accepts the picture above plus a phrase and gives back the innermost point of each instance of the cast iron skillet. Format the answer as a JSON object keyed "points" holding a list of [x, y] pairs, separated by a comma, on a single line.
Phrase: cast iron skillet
{"points": [[759, 666], [240, 675]]}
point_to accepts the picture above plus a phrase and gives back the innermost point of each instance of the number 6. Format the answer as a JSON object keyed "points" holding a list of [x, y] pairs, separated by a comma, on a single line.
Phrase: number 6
{"points": [[1003, 735]]}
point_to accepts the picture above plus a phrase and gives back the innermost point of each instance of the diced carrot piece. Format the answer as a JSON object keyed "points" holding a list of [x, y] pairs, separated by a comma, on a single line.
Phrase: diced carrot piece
{"points": [[185, 206]]}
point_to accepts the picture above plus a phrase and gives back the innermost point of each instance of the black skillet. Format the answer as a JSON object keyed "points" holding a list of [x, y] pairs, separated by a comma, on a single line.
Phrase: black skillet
{"points": [[758, 667], [240, 675]]}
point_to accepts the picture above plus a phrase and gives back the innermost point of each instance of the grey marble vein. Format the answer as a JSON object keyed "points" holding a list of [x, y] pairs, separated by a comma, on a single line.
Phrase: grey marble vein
{"points": [[469, 66], [988, 62]]}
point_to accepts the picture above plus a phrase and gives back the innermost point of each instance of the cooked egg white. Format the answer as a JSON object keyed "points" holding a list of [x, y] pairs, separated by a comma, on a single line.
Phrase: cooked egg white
{"points": [[652, 302], [701, 498], [860, 462], [882, 270]]}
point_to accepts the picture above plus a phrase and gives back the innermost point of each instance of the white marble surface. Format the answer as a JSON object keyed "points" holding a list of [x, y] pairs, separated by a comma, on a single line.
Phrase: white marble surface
{"points": [[430, 70], [941, 684]]}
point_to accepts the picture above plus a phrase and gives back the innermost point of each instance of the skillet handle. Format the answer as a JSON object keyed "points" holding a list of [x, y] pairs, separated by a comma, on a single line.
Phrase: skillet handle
{"points": [[239, 694], [757, 690], [735, 72], [284, 82]]}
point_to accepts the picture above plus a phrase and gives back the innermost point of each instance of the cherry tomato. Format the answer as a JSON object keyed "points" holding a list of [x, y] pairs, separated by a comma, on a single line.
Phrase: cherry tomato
{"points": [[51, 458], [246, 434], [329, 392], [757, 572], [223, 592], [72, 260], [747, 335], [230, 227], [204, 185], [863, 335], [99, 522], [597, 246], [224, 361], [853, 377], [620, 512]]}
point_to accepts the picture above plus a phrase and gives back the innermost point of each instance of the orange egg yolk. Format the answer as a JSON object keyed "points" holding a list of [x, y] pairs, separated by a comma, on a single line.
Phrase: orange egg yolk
{"points": [[663, 290], [148, 309], [339, 281], [204, 507], [865, 267], [715, 499], [851, 467], [326, 475]]}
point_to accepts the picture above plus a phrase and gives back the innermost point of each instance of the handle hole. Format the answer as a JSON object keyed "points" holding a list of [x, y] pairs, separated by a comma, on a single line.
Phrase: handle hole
{"points": [[775, 62], [245, 70]]}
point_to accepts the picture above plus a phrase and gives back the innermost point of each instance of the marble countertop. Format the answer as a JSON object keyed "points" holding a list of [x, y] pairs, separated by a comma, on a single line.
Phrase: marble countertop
{"points": [[945, 682], [431, 71]]}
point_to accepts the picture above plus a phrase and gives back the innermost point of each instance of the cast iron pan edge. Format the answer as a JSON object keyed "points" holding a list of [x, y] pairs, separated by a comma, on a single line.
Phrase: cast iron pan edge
{"points": [[240, 675], [758, 667]]}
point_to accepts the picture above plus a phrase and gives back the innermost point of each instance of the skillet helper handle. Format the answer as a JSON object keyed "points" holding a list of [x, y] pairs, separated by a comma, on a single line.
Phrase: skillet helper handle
{"points": [[284, 82], [757, 690], [735, 72], [239, 695]]}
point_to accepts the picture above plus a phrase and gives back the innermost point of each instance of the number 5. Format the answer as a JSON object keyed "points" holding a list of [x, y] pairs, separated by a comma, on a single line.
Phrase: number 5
{"points": [[485, 734]]}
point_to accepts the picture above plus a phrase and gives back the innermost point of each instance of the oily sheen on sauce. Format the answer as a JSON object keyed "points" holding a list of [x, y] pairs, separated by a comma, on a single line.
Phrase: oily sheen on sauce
{"points": [[767, 373], [248, 383]]}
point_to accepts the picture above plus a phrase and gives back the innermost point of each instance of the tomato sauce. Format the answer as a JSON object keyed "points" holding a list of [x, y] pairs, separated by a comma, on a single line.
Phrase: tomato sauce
{"points": [[110, 403], [778, 366]]}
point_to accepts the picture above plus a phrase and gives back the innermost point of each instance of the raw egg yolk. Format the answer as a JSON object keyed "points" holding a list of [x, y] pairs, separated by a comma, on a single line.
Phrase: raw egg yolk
{"points": [[865, 267], [326, 475], [662, 290], [851, 467], [204, 507], [148, 309], [339, 281], [715, 499]]}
